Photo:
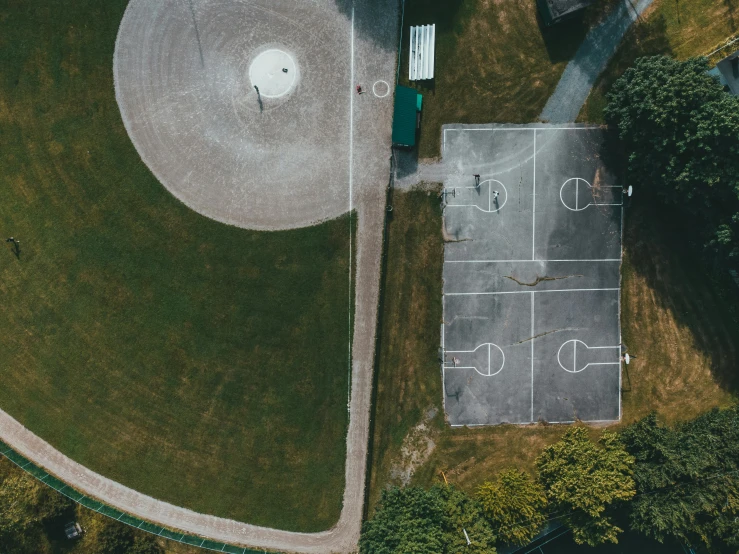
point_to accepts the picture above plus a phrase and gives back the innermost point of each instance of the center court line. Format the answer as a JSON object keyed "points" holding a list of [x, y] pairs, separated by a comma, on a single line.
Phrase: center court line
{"points": [[520, 261], [521, 292], [532, 356], [533, 208]]}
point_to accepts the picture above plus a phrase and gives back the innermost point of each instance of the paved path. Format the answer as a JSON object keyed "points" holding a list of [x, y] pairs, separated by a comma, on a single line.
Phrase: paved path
{"points": [[374, 54], [590, 60]]}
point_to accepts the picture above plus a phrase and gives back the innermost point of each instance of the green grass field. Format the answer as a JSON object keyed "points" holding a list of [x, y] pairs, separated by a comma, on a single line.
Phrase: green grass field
{"points": [[671, 27], [680, 321], [494, 61], [195, 362]]}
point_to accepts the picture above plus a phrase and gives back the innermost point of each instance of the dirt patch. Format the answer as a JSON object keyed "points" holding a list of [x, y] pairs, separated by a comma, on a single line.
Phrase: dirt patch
{"points": [[418, 445]]}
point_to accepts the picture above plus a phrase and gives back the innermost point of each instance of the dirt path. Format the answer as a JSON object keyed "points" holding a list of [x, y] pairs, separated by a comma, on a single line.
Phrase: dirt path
{"points": [[374, 31]]}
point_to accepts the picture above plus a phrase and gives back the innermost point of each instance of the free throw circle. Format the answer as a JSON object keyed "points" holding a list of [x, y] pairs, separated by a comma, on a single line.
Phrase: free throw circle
{"points": [[569, 194], [495, 204]]}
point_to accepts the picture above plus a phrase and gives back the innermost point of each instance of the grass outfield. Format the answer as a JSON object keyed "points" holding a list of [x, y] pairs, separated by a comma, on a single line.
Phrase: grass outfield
{"points": [[199, 363], [682, 325], [494, 61], [678, 29]]}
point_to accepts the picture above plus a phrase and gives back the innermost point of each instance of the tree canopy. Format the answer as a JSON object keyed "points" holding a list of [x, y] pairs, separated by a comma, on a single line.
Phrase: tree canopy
{"points": [[688, 478], [515, 505], [583, 479], [413, 519], [680, 131]]}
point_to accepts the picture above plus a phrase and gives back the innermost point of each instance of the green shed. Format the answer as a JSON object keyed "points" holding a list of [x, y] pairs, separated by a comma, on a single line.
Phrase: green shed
{"points": [[405, 116]]}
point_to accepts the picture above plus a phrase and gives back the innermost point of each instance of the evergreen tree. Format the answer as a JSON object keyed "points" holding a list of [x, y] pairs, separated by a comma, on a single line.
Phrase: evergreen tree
{"points": [[688, 479]]}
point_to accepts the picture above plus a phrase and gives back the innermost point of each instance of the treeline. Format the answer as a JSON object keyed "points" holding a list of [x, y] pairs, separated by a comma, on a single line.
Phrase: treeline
{"points": [[33, 516], [679, 132], [678, 483]]}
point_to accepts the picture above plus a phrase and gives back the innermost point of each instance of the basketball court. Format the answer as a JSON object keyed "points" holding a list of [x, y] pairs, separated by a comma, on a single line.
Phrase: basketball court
{"points": [[531, 276]]}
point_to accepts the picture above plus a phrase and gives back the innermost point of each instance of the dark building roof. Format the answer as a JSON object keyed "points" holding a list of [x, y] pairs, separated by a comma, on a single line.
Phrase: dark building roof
{"points": [[553, 11], [404, 118], [729, 70]]}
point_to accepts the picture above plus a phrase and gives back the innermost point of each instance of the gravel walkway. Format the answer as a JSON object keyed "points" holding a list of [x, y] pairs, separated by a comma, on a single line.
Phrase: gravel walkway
{"points": [[590, 60], [375, 35]]}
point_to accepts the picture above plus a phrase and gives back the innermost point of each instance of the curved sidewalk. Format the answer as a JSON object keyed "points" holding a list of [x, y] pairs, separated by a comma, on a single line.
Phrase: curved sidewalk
{"points": [[374, 54], [590, 60]]}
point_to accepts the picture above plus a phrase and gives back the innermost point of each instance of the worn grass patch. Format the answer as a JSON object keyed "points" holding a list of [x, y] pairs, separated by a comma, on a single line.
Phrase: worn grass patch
{"points": [[199, 363], [494, 61], [679, 322], [678, 28]]}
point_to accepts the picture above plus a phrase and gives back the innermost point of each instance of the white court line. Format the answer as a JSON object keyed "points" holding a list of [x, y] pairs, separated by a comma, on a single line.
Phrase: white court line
{"points": [[531, 422], [620, 338], [574, 356], [521, 292], [443, 141], [351, 207], [533, 208], [520, 261], [443, 353], [490, 195], [489, 373], [532, 356], [577, 208]]}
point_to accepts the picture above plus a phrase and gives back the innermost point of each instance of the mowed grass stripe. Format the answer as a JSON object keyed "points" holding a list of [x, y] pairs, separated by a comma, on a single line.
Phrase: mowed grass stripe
{"points": [[199, 363]]}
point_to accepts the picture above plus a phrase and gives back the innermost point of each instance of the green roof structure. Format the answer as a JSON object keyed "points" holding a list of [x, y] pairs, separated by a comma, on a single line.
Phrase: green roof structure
{"points": [[404, 117]]}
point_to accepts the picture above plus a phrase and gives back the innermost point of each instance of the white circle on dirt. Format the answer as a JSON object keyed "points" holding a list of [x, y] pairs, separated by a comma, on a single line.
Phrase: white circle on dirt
{"points": [[274, 72], [381, 89], [574, 183]]}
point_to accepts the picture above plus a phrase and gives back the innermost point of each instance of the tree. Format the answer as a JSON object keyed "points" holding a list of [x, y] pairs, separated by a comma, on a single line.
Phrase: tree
{"points": [[583, 479], [413, 519], [117, 538], [25, 506], [688, 479], [515, 505], [680, 131]]}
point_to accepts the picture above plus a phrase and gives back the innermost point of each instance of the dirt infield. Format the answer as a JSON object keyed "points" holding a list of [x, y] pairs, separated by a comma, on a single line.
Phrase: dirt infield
{"points": [[185, 72]]}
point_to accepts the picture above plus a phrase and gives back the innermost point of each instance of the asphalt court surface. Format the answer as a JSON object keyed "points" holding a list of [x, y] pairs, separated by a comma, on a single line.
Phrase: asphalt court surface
{"points": [[531, 326]]}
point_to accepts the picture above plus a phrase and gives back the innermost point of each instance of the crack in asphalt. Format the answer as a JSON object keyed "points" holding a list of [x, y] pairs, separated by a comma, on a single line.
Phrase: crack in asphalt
{"points": [[539, 279], [546, 333]]}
